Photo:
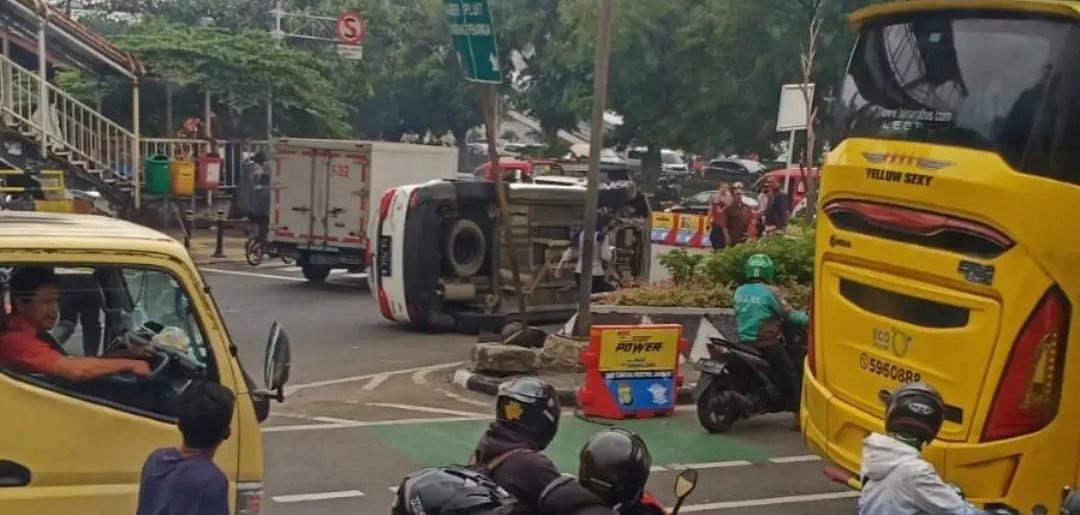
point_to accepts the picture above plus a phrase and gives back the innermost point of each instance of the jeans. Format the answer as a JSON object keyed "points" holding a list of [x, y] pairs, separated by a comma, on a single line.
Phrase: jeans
{"points": [[716, 237], [599, 283]]}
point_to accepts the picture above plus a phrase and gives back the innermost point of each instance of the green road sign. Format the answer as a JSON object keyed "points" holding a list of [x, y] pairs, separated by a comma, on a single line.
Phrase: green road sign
{"points": [[474, 36]]}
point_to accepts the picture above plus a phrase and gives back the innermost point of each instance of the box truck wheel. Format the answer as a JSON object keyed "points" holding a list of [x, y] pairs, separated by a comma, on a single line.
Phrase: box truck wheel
{"points": [[315, 273], [466, 247]]}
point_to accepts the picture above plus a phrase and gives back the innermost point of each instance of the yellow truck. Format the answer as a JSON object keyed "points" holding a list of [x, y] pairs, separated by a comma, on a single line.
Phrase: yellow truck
{"points": [[68, 448]]}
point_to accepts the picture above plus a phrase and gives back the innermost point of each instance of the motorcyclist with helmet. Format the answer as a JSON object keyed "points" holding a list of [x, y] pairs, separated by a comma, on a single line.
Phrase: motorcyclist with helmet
{"points": [[612, 472], [451, 491], [526, 419], [895, 478], [760, 313]]}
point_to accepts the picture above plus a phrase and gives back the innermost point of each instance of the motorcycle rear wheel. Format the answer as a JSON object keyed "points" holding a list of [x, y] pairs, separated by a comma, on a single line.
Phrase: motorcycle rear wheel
{"points": [[715, 411]]}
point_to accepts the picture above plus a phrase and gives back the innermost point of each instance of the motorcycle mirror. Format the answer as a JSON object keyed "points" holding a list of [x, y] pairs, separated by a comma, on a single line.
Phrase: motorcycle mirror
{"points": [[685, 483]]}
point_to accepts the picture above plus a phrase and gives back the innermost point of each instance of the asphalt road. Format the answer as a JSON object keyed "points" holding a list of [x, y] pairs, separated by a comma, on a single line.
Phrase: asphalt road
{"points": [[370, 402]]}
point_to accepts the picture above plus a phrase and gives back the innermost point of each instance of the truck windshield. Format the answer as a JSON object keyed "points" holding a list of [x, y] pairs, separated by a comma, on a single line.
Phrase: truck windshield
{"points": [[977, 82]]}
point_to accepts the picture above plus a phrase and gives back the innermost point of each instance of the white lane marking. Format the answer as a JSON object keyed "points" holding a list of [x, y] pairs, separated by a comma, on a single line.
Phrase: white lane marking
{"points": [[328, 420], [464, 399], [375, 382], [796, 459], [420, 377], [768, 501], [321, 496], [425, 409], [705, 465], [352, 379], [255, 275], [370, 423]]}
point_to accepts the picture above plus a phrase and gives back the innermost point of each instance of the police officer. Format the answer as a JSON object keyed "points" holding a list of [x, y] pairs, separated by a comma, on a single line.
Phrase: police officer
{"points": [[612, 472], [526, 419], [450, 491]]}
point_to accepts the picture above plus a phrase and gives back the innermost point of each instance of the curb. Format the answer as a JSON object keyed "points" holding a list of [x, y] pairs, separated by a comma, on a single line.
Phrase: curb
{"points": [[488, 385]]}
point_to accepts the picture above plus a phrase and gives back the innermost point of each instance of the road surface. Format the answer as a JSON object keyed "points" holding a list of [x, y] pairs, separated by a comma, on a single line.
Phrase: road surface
{"points": [[369, 402]]}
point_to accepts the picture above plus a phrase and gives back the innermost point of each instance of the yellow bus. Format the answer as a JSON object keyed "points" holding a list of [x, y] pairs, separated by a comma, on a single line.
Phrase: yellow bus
{"points": [[948, 247]]}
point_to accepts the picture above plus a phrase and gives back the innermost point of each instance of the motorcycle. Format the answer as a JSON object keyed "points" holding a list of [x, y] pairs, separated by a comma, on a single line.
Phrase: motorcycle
{"points": [[737, 381]]}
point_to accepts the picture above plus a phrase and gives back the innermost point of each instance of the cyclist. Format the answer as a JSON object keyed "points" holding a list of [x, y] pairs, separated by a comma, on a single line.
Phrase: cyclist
{"points": [[260, 199]]}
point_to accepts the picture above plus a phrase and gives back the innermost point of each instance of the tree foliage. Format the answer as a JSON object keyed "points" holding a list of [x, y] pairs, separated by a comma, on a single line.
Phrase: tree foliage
{"points": [[701, 76]]}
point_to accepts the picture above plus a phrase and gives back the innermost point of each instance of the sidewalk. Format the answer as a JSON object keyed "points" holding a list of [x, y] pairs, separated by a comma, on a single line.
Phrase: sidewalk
{"points": [[204, 242]]}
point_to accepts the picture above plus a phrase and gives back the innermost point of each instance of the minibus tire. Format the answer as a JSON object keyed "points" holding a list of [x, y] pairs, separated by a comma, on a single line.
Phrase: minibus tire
{"points": [[467, 238]]}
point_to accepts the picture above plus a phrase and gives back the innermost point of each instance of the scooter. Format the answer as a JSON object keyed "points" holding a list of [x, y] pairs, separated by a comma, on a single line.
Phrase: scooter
{"points": [[737, 382]]}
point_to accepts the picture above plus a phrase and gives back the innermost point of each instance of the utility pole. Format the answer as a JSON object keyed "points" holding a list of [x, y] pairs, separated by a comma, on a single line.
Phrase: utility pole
{"points": [[596, 145]]}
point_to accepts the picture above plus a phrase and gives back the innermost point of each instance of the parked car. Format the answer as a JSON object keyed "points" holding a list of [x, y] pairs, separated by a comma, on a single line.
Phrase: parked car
{"points": [[698, 203], [671, 163], [580, 152], [733, 169], [796, 185]]}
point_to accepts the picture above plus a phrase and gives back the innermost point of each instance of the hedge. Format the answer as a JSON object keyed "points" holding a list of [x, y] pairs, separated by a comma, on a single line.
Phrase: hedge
{"points": [[709, 280]]}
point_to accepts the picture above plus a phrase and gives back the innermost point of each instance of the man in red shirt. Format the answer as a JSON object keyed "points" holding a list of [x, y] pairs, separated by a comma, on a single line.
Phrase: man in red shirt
{"points": [[26, 346]]}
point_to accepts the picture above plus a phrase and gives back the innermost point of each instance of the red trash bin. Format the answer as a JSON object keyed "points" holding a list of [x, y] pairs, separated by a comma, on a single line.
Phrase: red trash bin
{"points": [[209, 173]]}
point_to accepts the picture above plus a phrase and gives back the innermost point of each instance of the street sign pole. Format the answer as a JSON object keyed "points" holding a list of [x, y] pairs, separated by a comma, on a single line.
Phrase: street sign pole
{"points": [[473, 31], [485, 95], [596, 144]]}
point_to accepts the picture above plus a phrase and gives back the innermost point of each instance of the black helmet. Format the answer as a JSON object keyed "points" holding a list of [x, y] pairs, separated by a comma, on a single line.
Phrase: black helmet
{"points": [[530, 405], [915, 414], [615, 466], [1072, 503], [450, 491]]}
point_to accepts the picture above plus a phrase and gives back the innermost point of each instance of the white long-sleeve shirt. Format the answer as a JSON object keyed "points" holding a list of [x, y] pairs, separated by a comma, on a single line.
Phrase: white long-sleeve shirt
{"points": [[601, 254]]}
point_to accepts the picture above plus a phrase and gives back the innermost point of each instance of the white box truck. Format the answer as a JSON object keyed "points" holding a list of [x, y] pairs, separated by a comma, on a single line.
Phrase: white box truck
{"points": [[324, 192]]}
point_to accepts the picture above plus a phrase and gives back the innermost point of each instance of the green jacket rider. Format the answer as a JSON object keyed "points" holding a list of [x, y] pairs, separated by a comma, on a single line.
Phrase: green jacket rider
{"points": [[760, 307]]}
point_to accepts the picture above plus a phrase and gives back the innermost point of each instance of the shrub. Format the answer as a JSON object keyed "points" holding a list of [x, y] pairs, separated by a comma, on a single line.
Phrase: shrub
{"points": [[792, 254], [695, 295], [681, 264]]}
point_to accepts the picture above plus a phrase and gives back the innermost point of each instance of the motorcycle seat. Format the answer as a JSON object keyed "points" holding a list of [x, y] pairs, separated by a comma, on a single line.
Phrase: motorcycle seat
{"points": [[750, 349]]}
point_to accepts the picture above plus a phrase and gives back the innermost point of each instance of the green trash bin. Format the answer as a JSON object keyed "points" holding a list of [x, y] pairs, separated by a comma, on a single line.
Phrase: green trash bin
{"points": [[158, 176]]}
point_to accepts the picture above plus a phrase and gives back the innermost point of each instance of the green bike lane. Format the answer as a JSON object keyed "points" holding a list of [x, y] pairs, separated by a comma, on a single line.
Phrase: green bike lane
{"points": [[761, 467]]}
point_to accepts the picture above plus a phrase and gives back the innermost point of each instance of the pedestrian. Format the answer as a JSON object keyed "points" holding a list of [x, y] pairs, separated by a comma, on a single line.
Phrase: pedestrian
{"points": [[718, 236], [602, 257], [779, 207], [527, 417], [185, 480], [80, 304], [737, 216]]}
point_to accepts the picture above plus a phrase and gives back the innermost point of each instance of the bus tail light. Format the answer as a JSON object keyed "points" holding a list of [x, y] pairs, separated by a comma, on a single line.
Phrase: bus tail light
{"points": [[1028, 396]]}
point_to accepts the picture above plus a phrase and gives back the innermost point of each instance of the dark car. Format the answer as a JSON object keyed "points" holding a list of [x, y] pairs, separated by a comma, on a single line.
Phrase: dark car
{"points": [[731, 169], [698, 203]]}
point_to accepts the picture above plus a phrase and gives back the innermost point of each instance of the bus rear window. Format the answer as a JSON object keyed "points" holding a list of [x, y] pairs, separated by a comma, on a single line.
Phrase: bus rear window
{"points": [[977, 82]]}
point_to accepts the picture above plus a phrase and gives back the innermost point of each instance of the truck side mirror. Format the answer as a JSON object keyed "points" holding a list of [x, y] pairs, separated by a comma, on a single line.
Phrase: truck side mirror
{"points": [[277, 362]]}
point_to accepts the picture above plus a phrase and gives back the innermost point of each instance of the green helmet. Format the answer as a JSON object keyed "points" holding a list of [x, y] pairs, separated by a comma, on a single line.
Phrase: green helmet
{"points": [[759, 266]]}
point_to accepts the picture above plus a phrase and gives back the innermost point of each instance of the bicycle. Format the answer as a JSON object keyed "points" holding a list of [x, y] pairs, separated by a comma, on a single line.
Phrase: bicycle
{"points": [[256, 248]]}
